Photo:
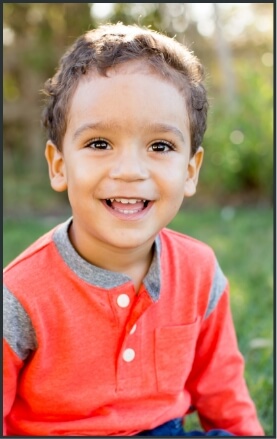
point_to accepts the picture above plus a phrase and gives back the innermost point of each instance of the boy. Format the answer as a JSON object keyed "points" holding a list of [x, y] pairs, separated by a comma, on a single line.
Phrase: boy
{"points": [[116, 325]]}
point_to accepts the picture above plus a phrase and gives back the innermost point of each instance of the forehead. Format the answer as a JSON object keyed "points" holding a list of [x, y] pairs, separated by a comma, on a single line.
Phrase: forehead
{"points": [[133, 80], [160, 70]]}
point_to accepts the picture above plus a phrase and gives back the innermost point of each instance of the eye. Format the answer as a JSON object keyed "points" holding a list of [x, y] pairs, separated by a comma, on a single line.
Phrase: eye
{"points": [[98, 144], [161, 146]]}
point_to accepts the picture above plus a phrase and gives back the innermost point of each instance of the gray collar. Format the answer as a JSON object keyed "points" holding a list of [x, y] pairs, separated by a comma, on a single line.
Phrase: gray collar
{"points": [[104, 278]]}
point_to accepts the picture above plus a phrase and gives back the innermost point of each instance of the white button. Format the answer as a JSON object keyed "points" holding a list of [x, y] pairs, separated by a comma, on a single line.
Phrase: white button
{"points": [[133, 329], [129, 355], [123, 300]]}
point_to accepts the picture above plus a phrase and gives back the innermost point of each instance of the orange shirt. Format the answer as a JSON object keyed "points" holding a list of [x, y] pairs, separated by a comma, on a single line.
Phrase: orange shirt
{"points": [[85, 355]]}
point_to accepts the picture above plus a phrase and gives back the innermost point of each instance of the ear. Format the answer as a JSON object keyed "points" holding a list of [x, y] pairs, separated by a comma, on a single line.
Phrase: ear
{"points": [[193, 172], [56, 167]]}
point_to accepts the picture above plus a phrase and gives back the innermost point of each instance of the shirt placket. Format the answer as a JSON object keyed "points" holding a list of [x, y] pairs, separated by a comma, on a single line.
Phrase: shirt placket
{"points": [[129, 309]]}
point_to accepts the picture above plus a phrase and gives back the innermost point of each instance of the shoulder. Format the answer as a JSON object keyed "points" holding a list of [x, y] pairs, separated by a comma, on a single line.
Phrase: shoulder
{"points": [[26, 280], [34, 262], [21, 279], [31, 252], [185, 246]]}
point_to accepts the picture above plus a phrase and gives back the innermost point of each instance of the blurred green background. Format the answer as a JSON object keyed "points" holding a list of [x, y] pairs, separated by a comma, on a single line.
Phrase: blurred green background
{"points": [[233, 208], [235, 43]]}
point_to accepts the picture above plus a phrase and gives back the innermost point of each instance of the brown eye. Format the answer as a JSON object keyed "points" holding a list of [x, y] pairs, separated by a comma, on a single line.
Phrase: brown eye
{"points": [[98, 144], [161, 147]]}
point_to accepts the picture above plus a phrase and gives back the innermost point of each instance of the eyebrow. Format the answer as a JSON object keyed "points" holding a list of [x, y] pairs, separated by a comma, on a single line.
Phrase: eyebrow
{"points": [[157, 127], [92, 126], [166, 128]]}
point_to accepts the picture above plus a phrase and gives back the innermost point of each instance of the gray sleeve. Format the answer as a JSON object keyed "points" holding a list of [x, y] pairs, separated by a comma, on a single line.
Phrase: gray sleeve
{"points": [[217, 289], [18, 330]]}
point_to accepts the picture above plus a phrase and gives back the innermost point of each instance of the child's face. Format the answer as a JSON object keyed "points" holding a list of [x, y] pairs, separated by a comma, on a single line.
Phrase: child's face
{"points": [[126, 157]]}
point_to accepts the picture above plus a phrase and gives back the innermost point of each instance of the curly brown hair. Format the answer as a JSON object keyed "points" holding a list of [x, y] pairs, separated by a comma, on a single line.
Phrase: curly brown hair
{"points": [[114, 44]]}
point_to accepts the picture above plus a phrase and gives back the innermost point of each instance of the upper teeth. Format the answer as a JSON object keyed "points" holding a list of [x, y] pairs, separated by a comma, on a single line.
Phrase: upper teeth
{"points": [[126, 201]]}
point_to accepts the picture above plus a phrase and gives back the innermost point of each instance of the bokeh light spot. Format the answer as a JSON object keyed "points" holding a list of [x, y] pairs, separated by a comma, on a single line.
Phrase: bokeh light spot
{"points": [[267, 59], [236, 137]]}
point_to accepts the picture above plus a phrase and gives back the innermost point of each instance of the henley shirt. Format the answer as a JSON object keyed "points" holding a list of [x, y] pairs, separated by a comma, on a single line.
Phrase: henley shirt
{"points": [[85, 355]]}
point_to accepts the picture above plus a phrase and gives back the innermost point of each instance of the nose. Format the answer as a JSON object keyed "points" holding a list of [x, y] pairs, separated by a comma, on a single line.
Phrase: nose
{"points": [[130, 165]]}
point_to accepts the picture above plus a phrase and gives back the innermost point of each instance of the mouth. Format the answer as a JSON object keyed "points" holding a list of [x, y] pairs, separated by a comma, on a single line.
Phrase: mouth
{"points": [[127, 208], [127, 205]]}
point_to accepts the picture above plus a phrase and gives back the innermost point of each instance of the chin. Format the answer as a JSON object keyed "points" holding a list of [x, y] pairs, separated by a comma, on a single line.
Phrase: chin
{"points": [[131, 242]]}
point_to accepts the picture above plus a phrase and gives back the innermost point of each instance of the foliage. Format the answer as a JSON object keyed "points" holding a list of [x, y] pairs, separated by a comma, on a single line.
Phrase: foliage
{"points": [[243, 242], [239, 141]]}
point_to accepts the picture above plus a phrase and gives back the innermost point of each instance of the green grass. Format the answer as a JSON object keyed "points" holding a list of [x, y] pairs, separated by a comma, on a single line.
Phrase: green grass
{"points": [[243, 242]]}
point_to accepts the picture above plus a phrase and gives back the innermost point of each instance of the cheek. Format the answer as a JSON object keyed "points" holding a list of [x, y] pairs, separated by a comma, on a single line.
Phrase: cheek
{"points": [[174, 181], [176, 194], [79, 173]]}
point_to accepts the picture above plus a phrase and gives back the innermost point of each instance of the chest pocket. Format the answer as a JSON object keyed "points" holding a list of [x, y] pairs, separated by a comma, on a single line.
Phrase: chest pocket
{"points": [[174, 354]]}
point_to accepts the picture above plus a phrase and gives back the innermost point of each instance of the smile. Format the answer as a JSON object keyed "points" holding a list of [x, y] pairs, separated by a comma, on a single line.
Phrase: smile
{"points": [[128, 208], [127, 205]]}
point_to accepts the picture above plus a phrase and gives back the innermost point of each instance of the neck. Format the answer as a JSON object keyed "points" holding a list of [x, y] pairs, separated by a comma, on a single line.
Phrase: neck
{"points": [[134, 262]]}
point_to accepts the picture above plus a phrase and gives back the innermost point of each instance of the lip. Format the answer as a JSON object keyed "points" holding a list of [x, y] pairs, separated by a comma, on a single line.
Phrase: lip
{"points": [[126, 216], [127, 197]]}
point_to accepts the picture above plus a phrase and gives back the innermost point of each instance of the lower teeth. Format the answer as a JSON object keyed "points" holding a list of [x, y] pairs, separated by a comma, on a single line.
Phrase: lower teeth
{"points": [[128, 211]]}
